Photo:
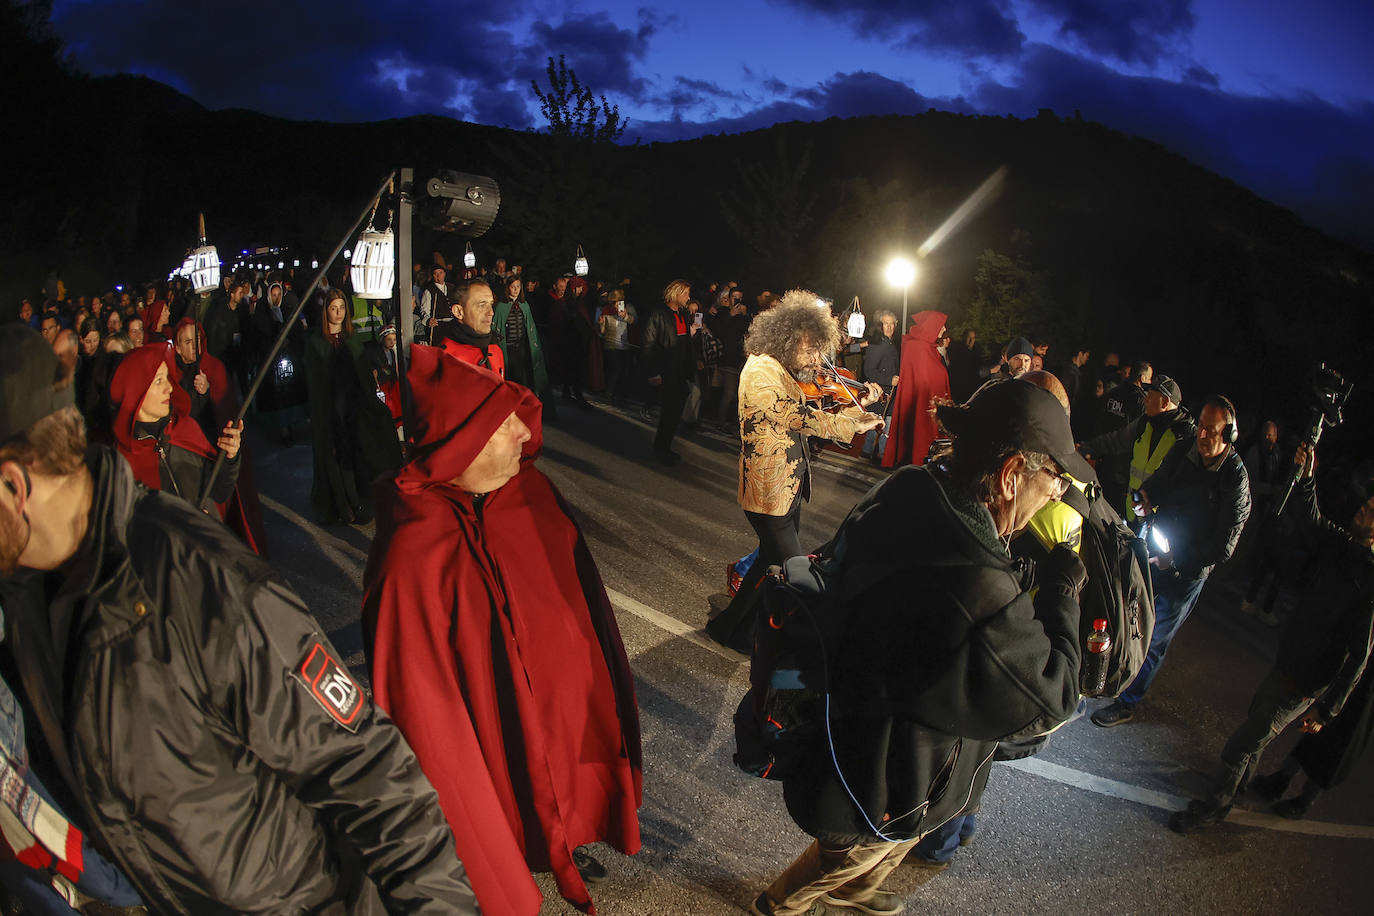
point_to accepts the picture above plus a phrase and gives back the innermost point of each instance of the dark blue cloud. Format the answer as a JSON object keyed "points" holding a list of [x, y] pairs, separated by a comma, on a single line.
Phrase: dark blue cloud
{"points": [[353, 60], [1302, 152], [1132, 31], [985, 28], [843, 95]]}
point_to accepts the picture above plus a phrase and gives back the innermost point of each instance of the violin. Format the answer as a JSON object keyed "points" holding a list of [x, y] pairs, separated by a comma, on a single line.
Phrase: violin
{"points": [[833, 389]]}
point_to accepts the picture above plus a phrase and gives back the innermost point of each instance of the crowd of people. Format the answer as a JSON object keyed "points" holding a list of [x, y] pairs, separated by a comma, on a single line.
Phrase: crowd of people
{"points": [[187, 717]]}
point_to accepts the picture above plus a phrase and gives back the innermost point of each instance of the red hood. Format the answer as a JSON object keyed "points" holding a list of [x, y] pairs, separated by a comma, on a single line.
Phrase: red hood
{"points": [[926, 326], [152, 313], [200, 334], [130, 384], [457, 408]]}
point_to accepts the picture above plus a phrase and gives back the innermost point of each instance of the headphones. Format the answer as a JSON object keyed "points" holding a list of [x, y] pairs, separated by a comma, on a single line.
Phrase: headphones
{"points": [[1231, 431]]}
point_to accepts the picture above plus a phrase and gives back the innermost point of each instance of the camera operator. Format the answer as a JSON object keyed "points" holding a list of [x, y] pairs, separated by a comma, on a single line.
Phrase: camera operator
{"points": [[1204, 499], [1323, 651], [944, 650]]}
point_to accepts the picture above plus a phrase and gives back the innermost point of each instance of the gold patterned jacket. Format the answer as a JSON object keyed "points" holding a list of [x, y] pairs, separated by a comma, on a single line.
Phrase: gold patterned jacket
{"points": [[775, 421]]}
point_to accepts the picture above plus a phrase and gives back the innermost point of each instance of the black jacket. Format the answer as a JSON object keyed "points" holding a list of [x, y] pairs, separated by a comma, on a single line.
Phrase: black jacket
{"points": [[218, 750], [882, 361], [1325, 646], [1201, 511], [942, 654], [666, 353]]}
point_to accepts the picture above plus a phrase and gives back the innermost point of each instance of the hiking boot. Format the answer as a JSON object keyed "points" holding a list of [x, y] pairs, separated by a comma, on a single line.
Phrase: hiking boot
{"points": [[1115, 714], [880, 904], [1197, 815], [1269, 788], [1294, 809], [762, 907], [921, 862]]}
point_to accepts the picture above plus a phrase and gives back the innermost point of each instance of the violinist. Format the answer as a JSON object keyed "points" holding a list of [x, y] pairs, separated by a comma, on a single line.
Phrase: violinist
{"points": [[787, 347]]}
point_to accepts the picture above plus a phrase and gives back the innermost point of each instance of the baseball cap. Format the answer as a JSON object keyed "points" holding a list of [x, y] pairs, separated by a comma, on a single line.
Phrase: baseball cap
{"points": [[1167, 387], [28, 371], [1024, 416]]}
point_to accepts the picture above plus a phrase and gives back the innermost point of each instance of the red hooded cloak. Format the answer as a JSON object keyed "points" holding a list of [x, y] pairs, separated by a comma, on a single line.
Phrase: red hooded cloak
{"points": [[152, 314], [243, 513], [923, 376], [127, 390], [492, 644]]}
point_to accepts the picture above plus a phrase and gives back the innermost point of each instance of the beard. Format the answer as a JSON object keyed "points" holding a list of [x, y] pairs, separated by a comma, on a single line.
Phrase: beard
{"points": [[14, 538], [806, 375]]}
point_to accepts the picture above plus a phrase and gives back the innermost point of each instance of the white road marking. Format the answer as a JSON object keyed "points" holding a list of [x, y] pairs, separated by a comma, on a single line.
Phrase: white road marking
{"points": [[1032, 765], [672, 625], [1114, 789]]}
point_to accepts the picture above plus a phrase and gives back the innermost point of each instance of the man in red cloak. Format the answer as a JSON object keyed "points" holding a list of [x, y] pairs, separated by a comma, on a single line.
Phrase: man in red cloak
{"points": [[923, 376], [492, 644]]}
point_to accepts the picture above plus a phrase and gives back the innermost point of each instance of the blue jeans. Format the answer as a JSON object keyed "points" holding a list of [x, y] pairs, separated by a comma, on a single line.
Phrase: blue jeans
{"points": [[1170, 612], [941, 844]]}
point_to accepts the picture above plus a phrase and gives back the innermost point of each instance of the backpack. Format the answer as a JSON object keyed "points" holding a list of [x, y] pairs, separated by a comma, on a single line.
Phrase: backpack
{"points": [[782, 717], [1118, 590]]}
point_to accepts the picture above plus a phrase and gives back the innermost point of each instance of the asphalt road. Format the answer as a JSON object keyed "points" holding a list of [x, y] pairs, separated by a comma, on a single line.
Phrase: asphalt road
{"points": [[1077, 829]]}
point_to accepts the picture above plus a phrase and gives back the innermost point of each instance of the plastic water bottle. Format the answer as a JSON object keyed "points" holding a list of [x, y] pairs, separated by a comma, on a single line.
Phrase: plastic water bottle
{"points": [[1094, 679]]}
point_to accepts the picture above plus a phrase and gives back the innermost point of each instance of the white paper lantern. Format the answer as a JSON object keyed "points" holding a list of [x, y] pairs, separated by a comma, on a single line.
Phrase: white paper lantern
{"points": [[469, 259], [374, 265], [204, 272], [580, 263], [855, 326]]}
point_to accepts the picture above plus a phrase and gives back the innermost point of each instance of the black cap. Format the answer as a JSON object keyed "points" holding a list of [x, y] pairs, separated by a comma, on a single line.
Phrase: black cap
{"points": [[1167, 387], [28, 371], [1021, 415], [1020, 347]]}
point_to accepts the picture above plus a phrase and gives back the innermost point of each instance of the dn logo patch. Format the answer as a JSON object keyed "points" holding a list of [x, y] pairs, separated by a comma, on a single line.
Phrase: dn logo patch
{"points": [[333, 687]]}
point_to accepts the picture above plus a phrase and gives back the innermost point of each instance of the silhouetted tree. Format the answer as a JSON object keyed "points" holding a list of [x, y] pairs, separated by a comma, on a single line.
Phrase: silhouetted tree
{"points": [[770, 206], [572, 109]]}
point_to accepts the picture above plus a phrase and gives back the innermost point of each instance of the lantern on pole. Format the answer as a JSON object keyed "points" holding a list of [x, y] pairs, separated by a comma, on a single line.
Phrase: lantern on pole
{"points": [[855, 326], [374, 261], [469, 259], [204, 264], [580, 263]]}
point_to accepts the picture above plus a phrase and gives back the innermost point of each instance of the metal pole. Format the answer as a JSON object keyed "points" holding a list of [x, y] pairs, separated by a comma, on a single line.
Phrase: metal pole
{"points": [[286, 330], [904, 328], [405, 312]]}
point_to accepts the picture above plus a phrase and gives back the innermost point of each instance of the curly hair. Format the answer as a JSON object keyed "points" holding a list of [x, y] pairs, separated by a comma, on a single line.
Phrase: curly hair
{"points": [[797, 317]]}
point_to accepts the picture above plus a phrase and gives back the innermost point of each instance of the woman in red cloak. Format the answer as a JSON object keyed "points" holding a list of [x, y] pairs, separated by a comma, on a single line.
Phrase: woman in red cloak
{"points": [[156, 316], [214, 402], [155, 434], [923, 376], [500, 658]]}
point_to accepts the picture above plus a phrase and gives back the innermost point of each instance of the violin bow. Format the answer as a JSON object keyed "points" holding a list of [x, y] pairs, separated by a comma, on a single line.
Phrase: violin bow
{"points": [[853, 387]]}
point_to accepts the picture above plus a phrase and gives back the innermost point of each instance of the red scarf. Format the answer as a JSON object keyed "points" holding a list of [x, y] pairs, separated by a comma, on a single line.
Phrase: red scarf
{"points": [[502, 665]]}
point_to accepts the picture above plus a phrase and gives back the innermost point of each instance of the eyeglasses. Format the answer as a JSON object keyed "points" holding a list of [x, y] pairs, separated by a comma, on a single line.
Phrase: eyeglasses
{"points": [[1060, 483]]}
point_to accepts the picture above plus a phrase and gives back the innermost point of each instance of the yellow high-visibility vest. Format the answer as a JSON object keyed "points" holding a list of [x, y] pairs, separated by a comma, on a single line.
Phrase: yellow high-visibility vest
{"points": [[1144, 461]]}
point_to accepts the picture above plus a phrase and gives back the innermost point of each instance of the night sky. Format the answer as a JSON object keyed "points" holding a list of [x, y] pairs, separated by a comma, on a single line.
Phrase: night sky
{"points": [[1277, 95]]}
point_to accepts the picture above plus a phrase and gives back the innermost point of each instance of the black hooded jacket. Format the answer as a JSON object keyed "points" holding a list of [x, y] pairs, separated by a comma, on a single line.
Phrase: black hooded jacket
{"points": [[943, 653], [219, 752]]}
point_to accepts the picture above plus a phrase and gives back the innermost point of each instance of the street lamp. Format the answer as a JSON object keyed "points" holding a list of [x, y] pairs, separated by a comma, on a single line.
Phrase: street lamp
{"points": [[901, 272]]}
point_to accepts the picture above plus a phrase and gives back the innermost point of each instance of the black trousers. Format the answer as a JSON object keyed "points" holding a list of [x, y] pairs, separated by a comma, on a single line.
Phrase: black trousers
{"points": [[672, 398], [779, 538]]}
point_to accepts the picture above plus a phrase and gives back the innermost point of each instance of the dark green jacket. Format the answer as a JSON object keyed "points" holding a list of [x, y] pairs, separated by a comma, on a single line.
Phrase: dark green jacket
{"points": [[535, 355]]}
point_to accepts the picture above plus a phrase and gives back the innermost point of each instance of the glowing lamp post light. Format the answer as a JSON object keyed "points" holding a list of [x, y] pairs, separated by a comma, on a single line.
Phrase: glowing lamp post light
{"points": [[901, 272], [374, 265], [204, 264], [580, 263]]}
